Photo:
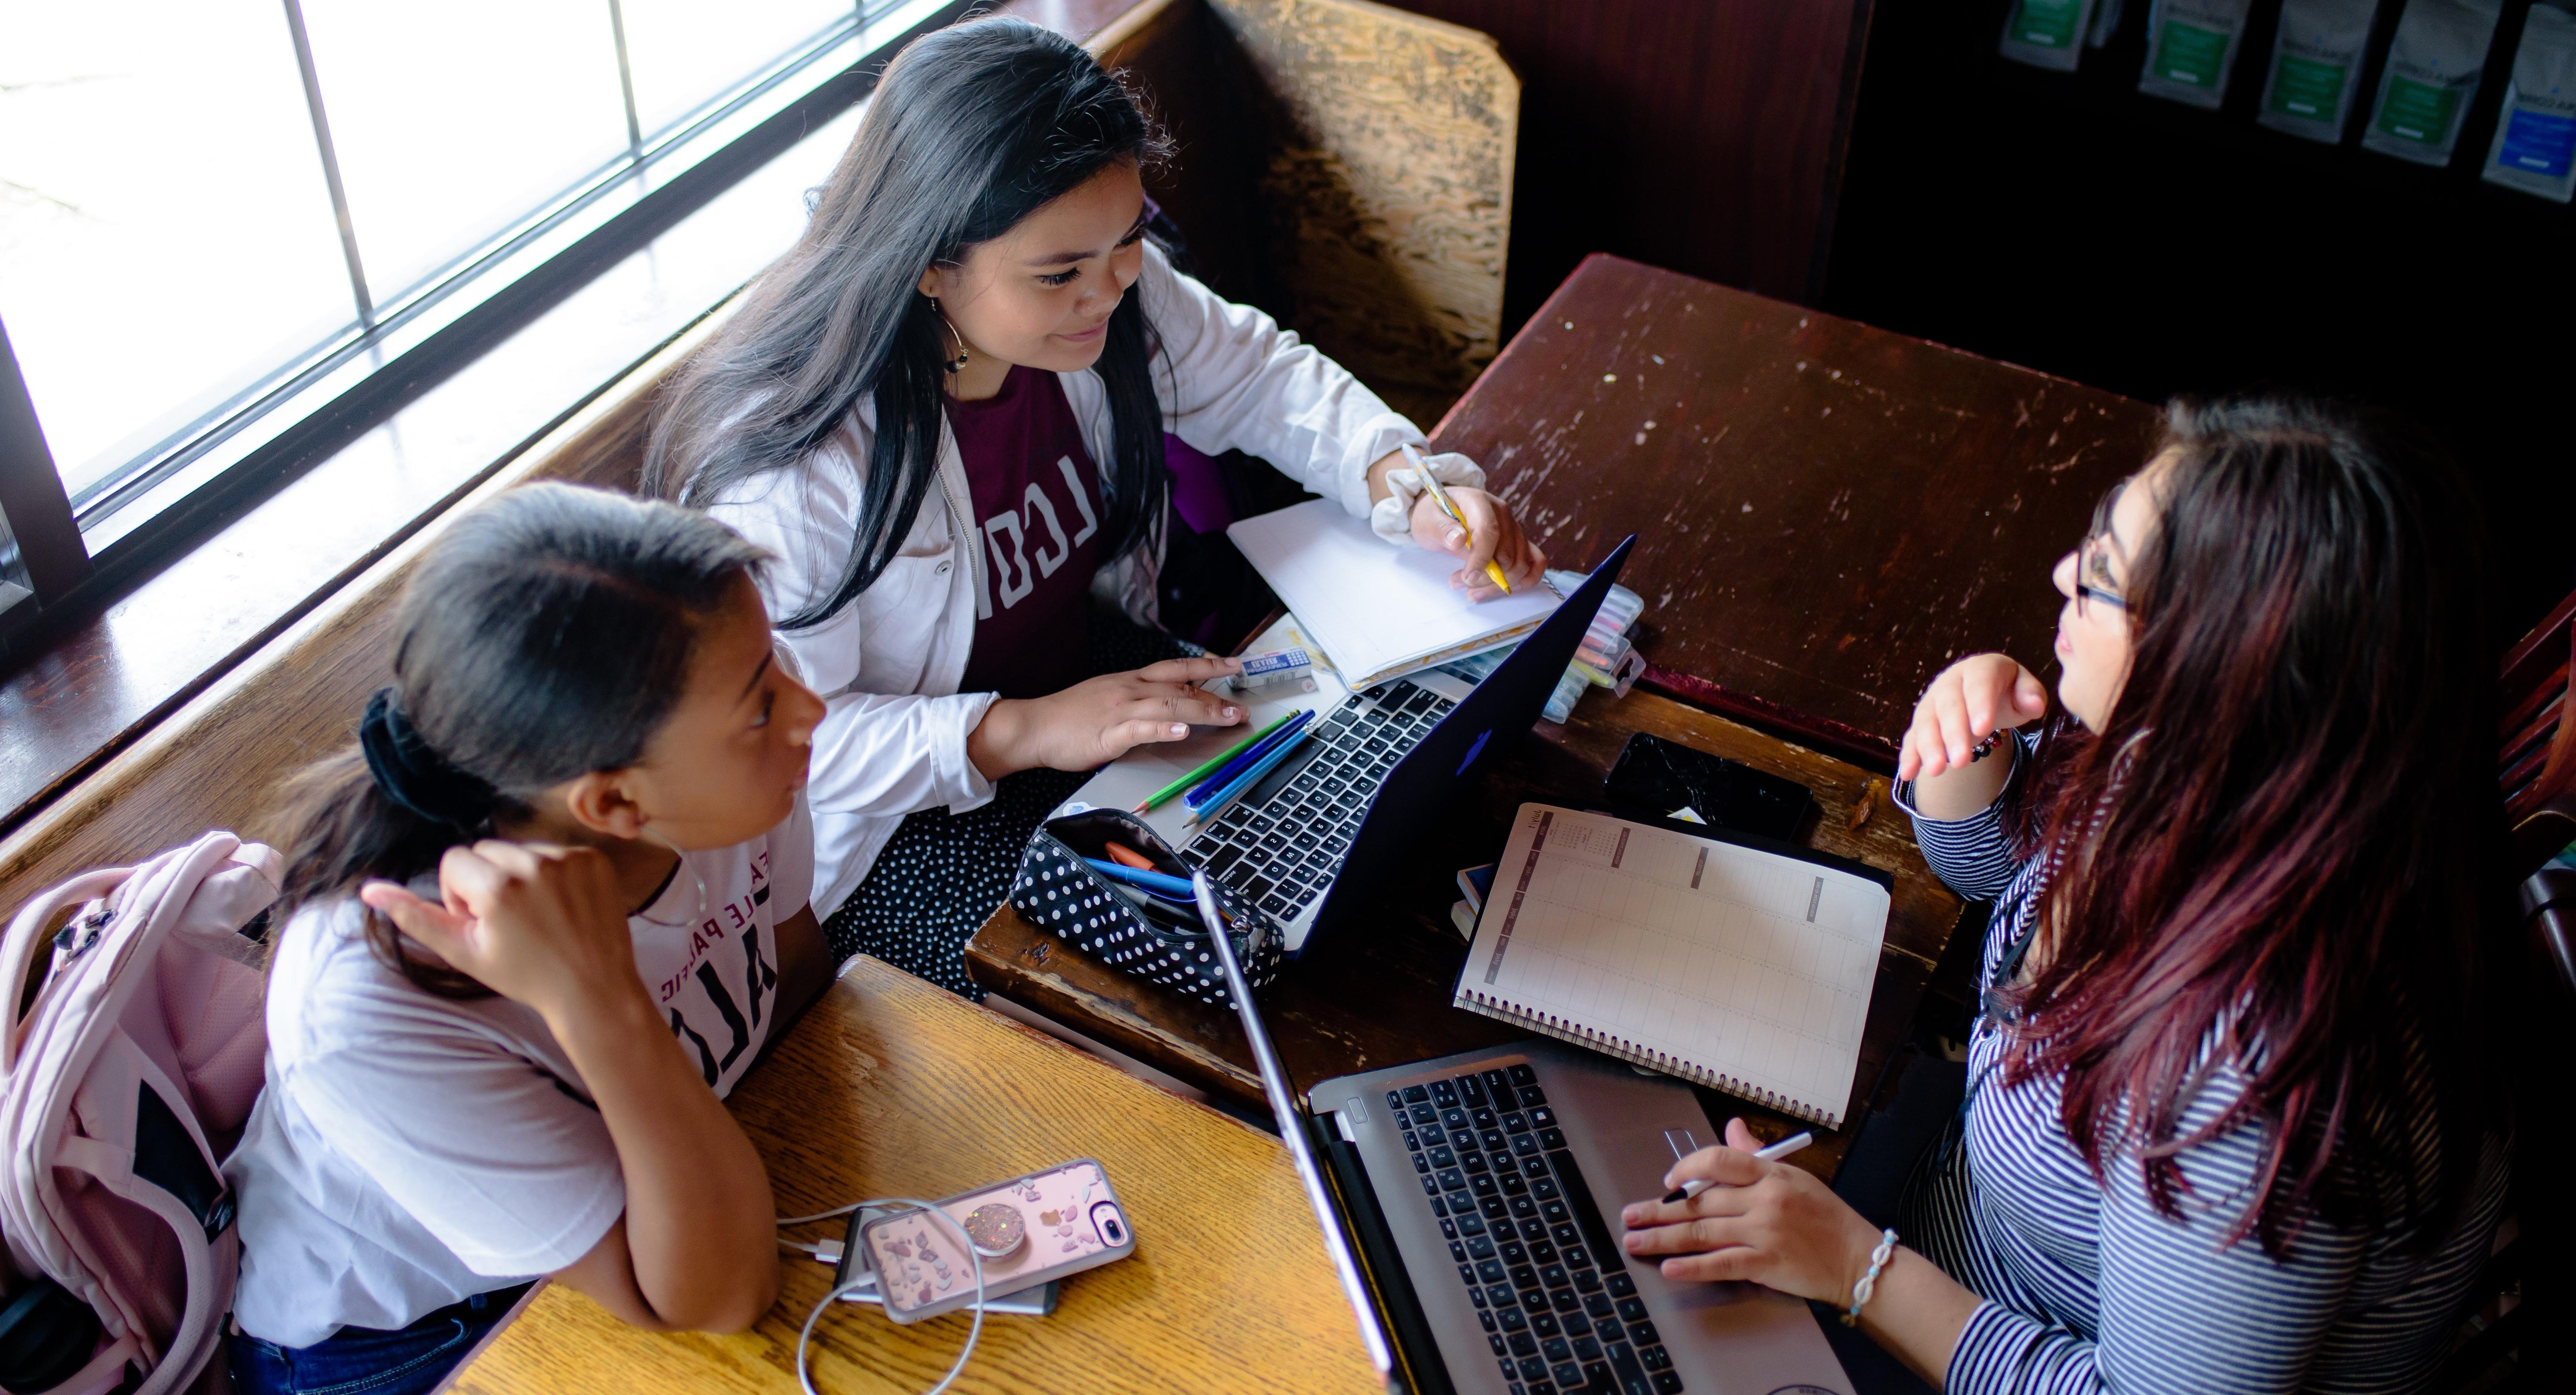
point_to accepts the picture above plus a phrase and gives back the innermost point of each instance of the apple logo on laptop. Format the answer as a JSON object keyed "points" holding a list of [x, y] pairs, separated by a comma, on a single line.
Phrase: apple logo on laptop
{"points": [[1475, 748]]}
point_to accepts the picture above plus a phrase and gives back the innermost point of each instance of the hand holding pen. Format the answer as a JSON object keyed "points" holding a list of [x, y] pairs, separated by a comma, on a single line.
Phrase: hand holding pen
{"points": [[1746, 1215], [1477, 528], [1694, 1186]]}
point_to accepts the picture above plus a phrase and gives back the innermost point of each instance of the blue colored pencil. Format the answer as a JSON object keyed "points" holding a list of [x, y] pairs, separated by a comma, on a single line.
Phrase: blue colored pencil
{"points": [[1260, 752], [1246, 780], [1156, 882]]}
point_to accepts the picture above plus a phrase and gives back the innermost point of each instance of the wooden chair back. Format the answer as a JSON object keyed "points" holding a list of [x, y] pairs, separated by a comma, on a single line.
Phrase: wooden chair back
{"points": [[1385, 193]]}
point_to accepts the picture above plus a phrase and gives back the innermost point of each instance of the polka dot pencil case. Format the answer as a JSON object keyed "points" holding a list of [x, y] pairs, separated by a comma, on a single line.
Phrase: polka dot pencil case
{"points": [[1130, 930]]}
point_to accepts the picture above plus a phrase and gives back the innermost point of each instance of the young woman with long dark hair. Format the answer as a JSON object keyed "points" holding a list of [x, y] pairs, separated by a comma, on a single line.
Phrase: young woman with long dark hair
{"points": [[535, 922], [2233, 1121], [944, 411]]}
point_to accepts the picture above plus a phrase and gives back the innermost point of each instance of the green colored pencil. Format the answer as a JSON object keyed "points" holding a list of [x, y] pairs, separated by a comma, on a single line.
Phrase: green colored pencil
{"points": [[1165, 794]]}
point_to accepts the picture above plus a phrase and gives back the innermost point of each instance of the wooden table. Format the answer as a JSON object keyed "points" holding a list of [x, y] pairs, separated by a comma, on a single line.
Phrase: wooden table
{"points": [[891, 1087], [1826, 513], [1377, 993]]}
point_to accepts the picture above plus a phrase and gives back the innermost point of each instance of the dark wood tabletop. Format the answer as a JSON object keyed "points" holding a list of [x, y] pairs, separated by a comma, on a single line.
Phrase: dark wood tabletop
{"points": [[1826, 513], [1377, 992]]}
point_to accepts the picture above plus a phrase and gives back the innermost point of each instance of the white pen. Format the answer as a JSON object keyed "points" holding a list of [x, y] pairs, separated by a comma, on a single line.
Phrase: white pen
{"points": [[1778, 1150]]}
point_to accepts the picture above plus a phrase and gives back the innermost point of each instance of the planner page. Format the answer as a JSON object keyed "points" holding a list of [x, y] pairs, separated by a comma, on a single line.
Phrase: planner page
{"points": [[1747, 969], [1378, 611]]}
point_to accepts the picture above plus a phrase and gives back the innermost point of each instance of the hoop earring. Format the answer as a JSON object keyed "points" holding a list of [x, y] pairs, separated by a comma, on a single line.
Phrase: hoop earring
{"points": [[693, 876], [958, 364]]}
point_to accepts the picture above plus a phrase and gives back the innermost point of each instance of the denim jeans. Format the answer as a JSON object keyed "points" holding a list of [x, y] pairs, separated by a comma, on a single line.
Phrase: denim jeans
{"points": [[365, 1361]]}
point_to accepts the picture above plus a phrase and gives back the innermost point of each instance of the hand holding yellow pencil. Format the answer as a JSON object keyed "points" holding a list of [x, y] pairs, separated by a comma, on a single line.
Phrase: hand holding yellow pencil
{"points": [[1440, 497]]}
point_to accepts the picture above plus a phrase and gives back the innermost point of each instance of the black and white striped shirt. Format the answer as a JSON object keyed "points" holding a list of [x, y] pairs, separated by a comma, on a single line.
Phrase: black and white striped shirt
{"points": [[2088, 1288]]}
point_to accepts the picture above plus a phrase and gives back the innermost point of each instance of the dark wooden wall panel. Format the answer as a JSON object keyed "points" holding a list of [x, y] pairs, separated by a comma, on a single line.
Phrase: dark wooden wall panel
{"points": [[1703, 136]]}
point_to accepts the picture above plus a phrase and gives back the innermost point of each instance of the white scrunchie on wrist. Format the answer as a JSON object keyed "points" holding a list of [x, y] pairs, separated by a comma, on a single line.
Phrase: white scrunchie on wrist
{"points": [[1392, 518]]}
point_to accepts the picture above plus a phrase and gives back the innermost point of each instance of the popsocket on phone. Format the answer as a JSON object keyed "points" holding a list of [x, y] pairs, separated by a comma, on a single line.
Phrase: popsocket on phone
{"points": [[998, 1229], [1025, 1232]]}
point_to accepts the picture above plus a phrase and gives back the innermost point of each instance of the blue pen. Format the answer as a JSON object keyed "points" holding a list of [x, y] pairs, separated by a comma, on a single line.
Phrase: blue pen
{"points": [[1246, 780], [1234, 768], [1178, 888]]}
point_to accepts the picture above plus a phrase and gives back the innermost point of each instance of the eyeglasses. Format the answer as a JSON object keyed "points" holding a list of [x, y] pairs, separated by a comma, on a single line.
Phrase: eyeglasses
{"points": [[2088, 554], [2085, 591]]}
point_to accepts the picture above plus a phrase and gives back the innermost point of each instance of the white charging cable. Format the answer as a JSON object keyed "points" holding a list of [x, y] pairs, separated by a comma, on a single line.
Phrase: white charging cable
{"points": [[804, 1378]]}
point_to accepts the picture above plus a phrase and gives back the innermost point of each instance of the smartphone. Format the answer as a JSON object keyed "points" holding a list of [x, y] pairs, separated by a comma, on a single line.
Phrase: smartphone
{"points": [[1667, 780], [1030, 1230], [1028, 1302]]}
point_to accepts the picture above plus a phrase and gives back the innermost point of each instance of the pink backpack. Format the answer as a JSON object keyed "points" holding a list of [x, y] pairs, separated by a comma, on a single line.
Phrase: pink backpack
{"points": [[126, 1085]]}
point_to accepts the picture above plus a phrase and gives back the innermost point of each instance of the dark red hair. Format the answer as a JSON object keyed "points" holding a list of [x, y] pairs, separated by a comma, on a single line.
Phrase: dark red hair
{"points": [[2277, 850]]}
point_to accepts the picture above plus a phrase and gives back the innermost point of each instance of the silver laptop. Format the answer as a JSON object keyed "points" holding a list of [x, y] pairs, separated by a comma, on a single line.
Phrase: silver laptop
{"points": [[1471, 1210]]}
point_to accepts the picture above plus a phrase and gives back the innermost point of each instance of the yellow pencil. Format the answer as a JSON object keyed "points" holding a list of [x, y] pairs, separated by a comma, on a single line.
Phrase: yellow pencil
{"points": [[1439, 496]]}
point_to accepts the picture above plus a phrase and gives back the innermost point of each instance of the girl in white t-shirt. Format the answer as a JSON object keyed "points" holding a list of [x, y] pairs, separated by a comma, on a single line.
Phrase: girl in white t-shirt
{"points": [[535, 924]]}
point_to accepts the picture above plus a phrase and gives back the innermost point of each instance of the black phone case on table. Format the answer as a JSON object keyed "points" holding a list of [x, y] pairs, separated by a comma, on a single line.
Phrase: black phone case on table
{"points": [[1654, 777]]}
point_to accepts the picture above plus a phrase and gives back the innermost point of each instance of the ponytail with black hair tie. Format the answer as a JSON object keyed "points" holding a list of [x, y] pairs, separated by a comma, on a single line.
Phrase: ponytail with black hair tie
{"points": [[416, 777]]}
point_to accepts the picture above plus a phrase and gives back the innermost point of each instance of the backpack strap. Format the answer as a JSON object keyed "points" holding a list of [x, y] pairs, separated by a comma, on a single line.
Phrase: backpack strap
{"points": [[209, 1263]]}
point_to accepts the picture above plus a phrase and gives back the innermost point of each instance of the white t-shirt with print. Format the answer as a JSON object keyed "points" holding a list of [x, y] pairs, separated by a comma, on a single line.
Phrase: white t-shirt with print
{"points": [[412, 1150]]}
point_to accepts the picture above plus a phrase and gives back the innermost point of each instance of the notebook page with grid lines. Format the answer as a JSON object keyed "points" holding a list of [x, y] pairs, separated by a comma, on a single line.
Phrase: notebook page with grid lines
{"points": [[1744, 970]]}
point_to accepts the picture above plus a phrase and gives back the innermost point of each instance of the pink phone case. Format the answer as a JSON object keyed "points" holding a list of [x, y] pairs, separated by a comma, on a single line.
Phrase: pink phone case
{"points": [[1067, 1220]]}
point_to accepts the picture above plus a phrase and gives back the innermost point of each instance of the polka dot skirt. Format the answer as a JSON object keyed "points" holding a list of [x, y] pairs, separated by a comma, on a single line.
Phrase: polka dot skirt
{"points": [[942, 874]]}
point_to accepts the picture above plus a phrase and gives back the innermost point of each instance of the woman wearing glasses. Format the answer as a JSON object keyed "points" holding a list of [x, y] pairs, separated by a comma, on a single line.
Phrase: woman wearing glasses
{"points": [[2232, 1117]]}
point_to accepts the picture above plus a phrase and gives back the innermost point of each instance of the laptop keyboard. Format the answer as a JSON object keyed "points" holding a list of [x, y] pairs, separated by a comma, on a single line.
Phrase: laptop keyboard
{"points": [[1282, 842], [1547, 1277]]}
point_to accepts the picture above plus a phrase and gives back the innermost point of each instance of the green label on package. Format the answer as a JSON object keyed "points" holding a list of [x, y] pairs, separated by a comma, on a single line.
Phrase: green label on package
{"points": [[2045, 23], [2306, 87], [2189, 53], [2418, 111]]}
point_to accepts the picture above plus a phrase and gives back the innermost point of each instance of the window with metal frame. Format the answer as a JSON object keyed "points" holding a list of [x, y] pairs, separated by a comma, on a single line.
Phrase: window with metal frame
{"points": [[232, 232]]}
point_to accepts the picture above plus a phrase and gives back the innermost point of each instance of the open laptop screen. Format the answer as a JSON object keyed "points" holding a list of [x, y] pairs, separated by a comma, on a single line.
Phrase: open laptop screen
{"points": [[1506, 704]]}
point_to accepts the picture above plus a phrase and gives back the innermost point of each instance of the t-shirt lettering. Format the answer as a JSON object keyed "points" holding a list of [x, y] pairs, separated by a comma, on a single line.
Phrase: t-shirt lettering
{"points": [[726, 1026], [1037, 490]]}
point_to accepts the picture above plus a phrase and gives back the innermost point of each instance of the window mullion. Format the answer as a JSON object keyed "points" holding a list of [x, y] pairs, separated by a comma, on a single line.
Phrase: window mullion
{"points": [[39, 514], [330, 162], [626, 81]]}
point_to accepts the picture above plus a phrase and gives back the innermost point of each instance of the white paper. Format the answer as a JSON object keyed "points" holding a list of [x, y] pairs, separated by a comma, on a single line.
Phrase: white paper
{"points": [[1377, 611]]}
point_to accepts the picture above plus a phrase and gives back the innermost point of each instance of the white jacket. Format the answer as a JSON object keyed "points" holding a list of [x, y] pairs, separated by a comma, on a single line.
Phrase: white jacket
{"points": [[893, 736]]}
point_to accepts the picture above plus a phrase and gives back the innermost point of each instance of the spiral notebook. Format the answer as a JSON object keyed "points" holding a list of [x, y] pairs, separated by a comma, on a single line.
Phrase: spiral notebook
{"points": [[1746, 970]]}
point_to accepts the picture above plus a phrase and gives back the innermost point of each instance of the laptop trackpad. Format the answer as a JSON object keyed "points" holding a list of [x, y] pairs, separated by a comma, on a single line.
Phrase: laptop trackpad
{"points": [[1727, 1338], [1681, 1143]]}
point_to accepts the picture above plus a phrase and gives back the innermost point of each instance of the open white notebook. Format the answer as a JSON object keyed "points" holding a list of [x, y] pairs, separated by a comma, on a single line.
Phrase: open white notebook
{"points": [[1378, 612], [1747, 971]]}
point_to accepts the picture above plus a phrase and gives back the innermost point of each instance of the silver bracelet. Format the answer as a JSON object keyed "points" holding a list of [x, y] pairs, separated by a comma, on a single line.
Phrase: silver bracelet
{"points": [[1868, 1285]]}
